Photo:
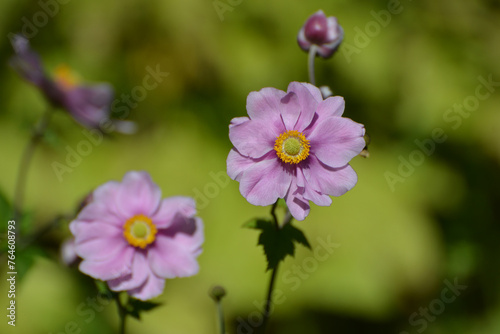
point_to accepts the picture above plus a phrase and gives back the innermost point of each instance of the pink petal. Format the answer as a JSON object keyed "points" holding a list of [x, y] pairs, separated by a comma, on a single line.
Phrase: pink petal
{"points": [[153, 287], [296, 203], [265, 104], [308, 97], [302, 40], [309, 193], [336, 140], [138, 194], [290, 110], [102, 208], [68, 253], [83, 230], [332, 106], [175, 250], [99, 249], [328, 180], [138, 276], [255, 138], [111, 268], [172, 206], [265, 182], [237, 121], [237, 164]]}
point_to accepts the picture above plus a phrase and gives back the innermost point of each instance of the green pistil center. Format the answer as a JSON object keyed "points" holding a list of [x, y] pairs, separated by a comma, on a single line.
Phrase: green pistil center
{"points": [[140, 229], [292, 146]]}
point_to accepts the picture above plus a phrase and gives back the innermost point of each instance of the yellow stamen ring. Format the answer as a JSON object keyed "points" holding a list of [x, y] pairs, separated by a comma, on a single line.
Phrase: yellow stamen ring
{"points": [[292, 147], [139, 231]]}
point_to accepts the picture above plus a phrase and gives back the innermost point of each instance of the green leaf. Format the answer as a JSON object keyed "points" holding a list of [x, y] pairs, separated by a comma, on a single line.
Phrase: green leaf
{"points": [[136, 306], [277, 242]]}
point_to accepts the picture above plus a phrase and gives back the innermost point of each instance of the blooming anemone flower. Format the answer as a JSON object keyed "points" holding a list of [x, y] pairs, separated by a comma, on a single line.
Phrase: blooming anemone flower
{"points": [[294, 145], [89, 105], [131, 238], [323, 32]]}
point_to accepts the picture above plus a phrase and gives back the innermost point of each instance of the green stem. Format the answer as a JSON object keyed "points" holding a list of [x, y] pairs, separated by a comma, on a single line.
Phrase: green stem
{"points": [[310, 62], [26, 158], [273, 213], [267, 310], [222, 325], [122, 312]]}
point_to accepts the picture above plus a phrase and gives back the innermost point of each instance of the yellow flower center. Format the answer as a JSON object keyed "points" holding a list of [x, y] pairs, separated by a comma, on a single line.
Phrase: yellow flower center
{"points": [[65, 77], [292, 147], [139, 231]]}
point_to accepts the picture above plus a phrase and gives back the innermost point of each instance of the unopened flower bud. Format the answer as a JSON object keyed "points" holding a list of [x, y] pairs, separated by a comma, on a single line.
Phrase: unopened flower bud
{"points": [[322, 31]]}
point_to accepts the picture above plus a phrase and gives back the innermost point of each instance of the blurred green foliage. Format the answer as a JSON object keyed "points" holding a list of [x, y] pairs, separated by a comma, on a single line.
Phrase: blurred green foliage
{"points": [[399, 241]]}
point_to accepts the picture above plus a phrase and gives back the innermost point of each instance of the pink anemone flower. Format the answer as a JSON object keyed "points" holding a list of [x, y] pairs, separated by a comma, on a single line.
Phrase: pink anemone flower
{"points": [[294, 145], [130, 237]]}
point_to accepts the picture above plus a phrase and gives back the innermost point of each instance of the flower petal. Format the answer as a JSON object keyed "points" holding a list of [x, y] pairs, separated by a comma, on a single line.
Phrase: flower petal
{"points": [[172, 206], [153, 287], [89, 105], [110, 268], [84, 230], [332, 106], [255, 138], [336, 140], [328, 180], [100, 249], [237, 164], [290, 110], [309, 193], [137, 277], [265, 104], [296, 203], [102, 208], [265, 182], [138, 194], [176, 249], [308, 97]]}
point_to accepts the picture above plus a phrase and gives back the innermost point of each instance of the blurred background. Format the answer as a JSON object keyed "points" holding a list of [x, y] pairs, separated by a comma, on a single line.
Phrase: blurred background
{"points": [[416, 241]]}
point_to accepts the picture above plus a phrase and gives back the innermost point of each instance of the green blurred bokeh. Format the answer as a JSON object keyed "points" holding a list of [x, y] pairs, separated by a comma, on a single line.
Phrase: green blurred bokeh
{"points": [[404, 74]]}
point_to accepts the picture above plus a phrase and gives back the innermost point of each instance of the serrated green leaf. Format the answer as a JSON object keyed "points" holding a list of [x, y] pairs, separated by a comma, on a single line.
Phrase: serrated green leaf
{"points": [[296, 235], [277, 242], [136, 306]]}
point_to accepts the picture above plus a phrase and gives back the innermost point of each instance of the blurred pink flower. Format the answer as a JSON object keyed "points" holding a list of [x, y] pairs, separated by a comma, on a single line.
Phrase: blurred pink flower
{"points": [[294, 145], [89, 105], [131, 238], [322, 31]]}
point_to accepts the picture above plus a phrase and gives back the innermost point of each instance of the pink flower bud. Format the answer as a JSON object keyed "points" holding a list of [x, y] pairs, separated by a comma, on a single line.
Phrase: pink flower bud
{"points": [[322, 31]]}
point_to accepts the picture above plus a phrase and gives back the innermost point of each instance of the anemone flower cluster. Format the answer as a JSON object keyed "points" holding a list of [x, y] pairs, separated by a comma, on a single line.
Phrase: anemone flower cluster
{"points": [[294, 145], [132, 239]]}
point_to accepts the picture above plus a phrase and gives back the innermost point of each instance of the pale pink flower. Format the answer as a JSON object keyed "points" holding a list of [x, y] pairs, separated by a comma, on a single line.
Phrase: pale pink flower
{"points": [[130, 237]]}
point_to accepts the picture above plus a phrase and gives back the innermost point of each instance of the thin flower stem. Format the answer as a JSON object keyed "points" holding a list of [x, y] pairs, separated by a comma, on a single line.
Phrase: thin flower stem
{"points": [[27, 156], [267, 310], [310, 61], [222, 325], [273, 213], [122, 312]]}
